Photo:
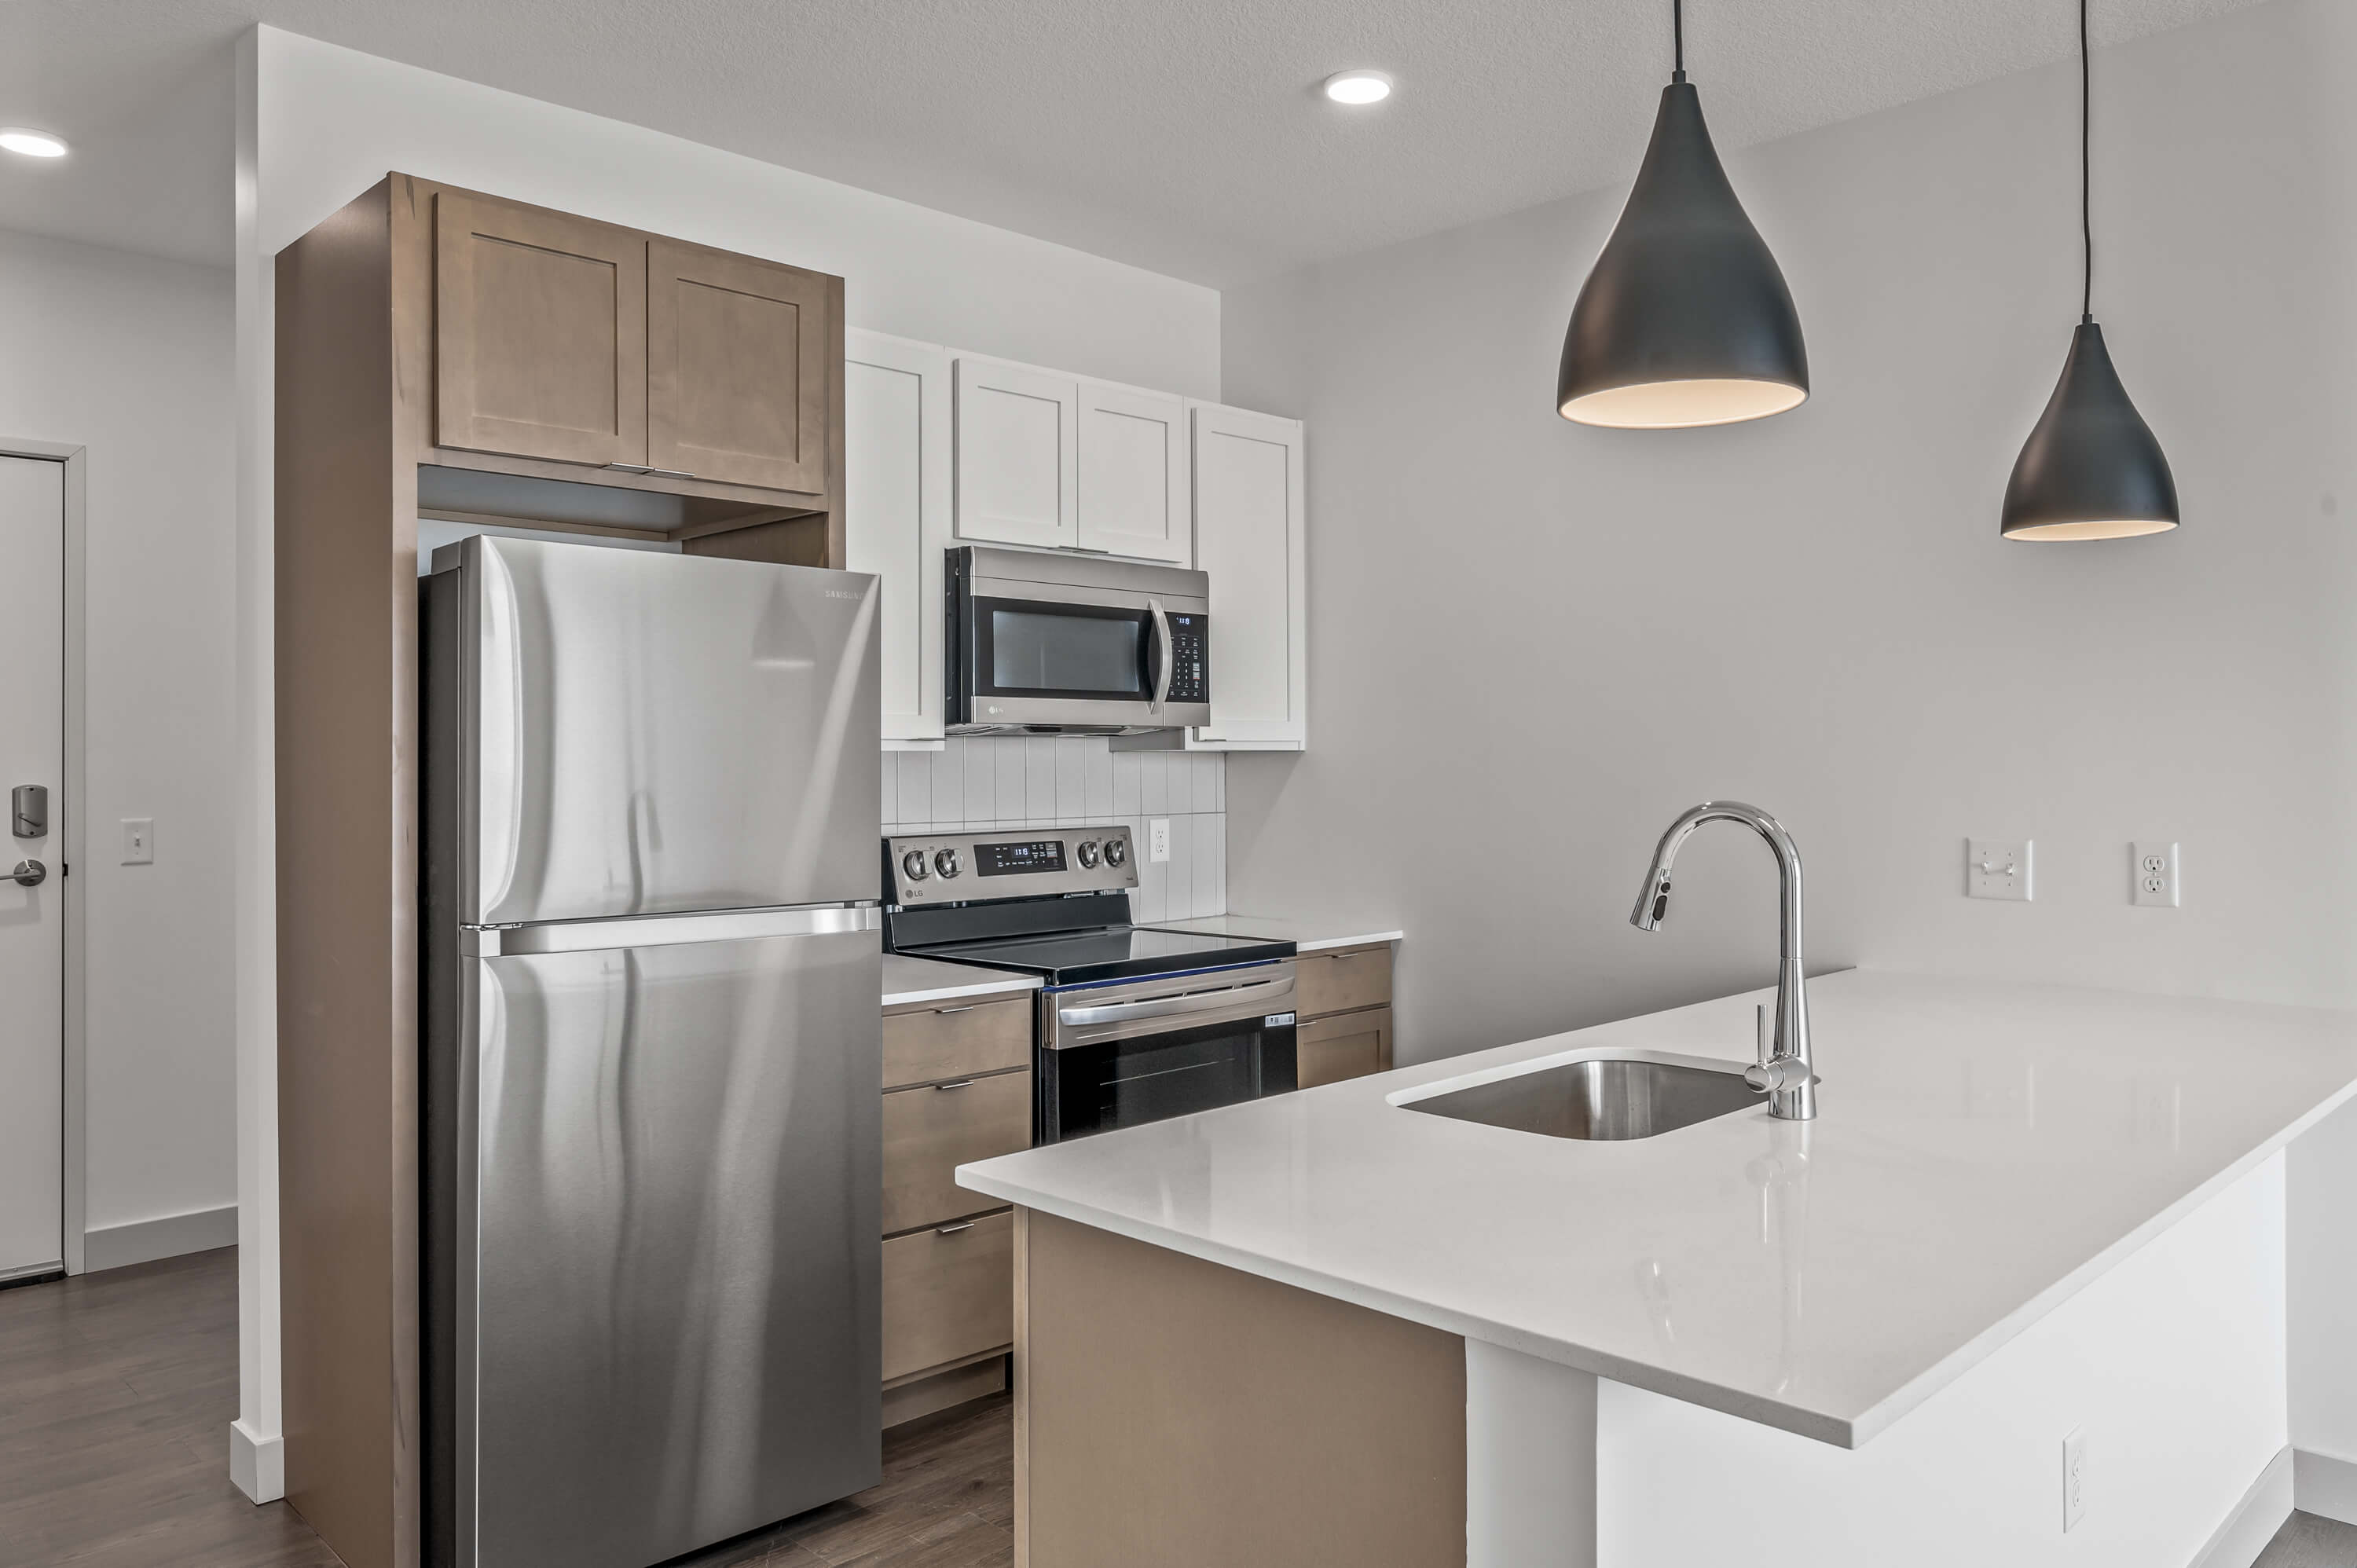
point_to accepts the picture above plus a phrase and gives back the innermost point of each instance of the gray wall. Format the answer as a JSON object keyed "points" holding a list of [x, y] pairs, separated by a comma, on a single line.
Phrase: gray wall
{"points": [[1532, 643]]}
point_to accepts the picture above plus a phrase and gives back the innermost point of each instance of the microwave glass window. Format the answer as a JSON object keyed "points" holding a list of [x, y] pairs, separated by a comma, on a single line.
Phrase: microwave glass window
{"points": [[1032, 650]]}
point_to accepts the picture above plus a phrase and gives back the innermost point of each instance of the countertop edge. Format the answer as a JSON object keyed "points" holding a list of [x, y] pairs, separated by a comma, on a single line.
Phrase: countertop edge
{"points": [[998, 986], [1797, 1419]]}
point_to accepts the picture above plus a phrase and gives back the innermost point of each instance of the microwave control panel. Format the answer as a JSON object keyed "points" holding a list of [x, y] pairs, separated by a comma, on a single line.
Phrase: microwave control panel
{"points": [[1191, 657]]}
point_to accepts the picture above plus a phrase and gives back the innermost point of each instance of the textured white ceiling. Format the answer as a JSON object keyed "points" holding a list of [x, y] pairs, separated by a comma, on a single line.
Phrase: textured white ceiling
{"points": [[1184, 136]]}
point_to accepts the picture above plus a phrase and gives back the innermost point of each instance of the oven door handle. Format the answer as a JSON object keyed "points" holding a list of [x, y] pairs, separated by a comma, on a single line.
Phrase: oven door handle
{"points": [[1165, 655], [1257, 992]]}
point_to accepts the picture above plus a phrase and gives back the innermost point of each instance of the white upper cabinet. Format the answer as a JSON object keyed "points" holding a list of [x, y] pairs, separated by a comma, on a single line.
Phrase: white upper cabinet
{"points": [[1017, 454], [895, 449], [1133, 481], [1250, 538]]}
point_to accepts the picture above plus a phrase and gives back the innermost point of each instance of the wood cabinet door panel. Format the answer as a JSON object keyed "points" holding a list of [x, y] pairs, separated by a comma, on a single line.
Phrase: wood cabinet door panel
{"points": [[1017, 461], [541, 348], [1350, 1045], [737, 367], [929, 1132], [948, 1294], [1133, 473], [957, 1039], [1337, 983]]}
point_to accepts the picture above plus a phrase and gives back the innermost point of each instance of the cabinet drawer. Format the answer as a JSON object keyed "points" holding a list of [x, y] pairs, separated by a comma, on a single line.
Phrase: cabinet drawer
{"points": [[929, 1133], [1351, 1046], [1334, 983], [957, 1039], [948, 1297]]}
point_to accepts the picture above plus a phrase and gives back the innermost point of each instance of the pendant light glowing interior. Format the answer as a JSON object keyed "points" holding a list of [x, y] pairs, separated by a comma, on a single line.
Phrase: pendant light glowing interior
{"points": [[2092, 467], [1686, 319]]}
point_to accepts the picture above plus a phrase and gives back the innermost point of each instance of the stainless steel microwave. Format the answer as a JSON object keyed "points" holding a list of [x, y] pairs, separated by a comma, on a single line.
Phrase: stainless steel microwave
{"points": [[1046, 642]]}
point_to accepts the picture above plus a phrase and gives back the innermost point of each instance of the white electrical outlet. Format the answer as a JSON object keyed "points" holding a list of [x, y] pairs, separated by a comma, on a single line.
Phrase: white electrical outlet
{"points": [[1157, 839], [138, 840], [1997, 868], [2074, 1479], [2155, 871]]}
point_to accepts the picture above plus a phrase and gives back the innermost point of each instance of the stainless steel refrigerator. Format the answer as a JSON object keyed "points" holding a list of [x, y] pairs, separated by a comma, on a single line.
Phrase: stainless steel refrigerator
{"points": [[650, 1123]]}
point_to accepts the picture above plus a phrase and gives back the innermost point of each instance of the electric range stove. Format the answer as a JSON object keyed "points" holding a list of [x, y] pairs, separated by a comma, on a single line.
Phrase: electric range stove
{"points": [[1132, 1023]]}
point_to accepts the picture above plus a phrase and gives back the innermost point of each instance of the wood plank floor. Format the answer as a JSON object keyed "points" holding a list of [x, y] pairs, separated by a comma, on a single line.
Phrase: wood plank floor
{"points": [[116, 1392], [117, 1389]]}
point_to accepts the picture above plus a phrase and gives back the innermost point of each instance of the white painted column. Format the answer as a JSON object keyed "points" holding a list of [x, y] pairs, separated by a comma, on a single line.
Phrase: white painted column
{"points": [[1529, 1461], [257, 1462]]}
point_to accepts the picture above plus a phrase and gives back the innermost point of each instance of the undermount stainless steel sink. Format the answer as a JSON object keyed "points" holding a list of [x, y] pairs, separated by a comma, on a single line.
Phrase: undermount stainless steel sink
{"points": [[1600, 1098]]}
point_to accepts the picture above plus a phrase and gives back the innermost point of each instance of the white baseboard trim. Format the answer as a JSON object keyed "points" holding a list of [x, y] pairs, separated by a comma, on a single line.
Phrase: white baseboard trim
{"points": [[2253, 1523], [145, 1241], [257, 1464], [2325, 1484]]}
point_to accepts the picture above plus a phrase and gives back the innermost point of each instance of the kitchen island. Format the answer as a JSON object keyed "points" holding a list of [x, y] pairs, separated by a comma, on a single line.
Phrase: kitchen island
{"points": [[1324, 1327]]}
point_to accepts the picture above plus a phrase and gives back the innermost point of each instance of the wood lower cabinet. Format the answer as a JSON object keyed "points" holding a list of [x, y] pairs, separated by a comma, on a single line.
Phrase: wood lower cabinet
{"points": [[957, 1087], [1344, 1001], [1348, 1044]]}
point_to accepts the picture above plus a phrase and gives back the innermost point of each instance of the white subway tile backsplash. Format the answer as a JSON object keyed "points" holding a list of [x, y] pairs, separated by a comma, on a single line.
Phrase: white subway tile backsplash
{"points": [[979, 758], [977, 783]]}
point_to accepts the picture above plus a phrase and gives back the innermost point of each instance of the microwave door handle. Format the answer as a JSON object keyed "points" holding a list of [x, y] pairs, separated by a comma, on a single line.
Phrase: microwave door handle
{"points": [[1164, 653]]}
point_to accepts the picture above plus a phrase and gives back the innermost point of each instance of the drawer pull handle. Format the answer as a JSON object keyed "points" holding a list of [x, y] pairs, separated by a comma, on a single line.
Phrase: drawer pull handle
{"points": [[956, 1083], [953, 1229], [967, 1008]]}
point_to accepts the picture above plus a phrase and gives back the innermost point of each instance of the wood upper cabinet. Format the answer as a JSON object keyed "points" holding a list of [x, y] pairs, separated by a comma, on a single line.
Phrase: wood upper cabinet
{"points": [[740, 356], [541, 333], [568, 340], [1018, 452], [1133, 473], [1251, 537]]}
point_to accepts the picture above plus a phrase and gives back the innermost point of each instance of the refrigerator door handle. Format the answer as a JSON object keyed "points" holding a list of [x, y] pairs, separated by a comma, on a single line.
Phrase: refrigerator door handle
{"points": [[666, 930]]}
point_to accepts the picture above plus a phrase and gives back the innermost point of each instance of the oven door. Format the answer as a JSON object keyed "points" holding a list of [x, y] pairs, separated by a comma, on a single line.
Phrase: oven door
{"points": [[1032, 654], [1132, 1051]]}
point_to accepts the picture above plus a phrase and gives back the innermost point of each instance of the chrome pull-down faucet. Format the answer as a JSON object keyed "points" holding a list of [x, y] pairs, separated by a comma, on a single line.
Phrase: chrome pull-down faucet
{"points": [[1782, 1070]]}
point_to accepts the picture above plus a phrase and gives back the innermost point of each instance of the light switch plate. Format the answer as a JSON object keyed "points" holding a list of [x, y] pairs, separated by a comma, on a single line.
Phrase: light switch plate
{"points": [[2153, 881], [1997, 868], [138, 840]]}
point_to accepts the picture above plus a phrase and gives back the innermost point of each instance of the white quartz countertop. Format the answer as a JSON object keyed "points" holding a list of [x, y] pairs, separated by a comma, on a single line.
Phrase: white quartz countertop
{"points": [[1983, 1150], [1307, 936], [923, 980]]}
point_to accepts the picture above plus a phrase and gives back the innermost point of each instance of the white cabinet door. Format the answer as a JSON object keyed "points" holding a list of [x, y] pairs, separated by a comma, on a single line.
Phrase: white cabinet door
{"points": [[1134, 473], [1249, 536], [896, 451], [1017, 445]]}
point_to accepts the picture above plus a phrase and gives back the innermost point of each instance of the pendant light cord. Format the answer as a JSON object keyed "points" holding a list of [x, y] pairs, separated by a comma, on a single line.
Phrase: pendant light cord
{"points": [[1678, 38], [2086, 177]]}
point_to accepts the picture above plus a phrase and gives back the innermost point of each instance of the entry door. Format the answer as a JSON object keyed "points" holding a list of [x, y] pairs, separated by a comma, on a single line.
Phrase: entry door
{"points": [[32, 922]]}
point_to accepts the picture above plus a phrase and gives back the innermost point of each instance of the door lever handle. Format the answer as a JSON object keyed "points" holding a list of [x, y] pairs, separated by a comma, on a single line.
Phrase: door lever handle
{"points": [[29, 874]]}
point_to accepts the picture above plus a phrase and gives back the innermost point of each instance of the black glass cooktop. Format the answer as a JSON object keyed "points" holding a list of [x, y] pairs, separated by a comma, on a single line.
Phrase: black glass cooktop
{"points": [[1112, 952]]}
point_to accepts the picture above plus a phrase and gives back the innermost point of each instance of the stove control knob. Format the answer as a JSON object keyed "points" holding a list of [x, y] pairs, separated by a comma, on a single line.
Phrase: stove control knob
{"points": [[946, 862], [1116, 852], [912, 866], [1088, 854]]}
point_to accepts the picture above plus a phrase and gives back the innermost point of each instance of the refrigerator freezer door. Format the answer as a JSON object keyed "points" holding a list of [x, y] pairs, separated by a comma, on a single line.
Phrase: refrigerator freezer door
{"points": [[674, 1190], [643, 733]]}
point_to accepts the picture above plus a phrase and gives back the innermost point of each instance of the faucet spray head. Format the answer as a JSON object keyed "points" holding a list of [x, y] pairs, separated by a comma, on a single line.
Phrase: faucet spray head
{"points": [[1653, 901]]}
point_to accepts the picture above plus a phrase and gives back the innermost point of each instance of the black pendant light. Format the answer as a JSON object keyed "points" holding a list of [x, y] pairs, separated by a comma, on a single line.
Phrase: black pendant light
{"points": [[1686, 319], [2091, 469]]}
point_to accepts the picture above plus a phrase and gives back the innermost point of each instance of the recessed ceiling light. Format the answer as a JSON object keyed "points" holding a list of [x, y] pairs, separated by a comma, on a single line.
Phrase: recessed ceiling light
{"points": [[32, 143], [1358, 87]]}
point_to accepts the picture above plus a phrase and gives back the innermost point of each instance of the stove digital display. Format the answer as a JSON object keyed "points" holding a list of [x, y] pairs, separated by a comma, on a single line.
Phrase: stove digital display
{"points": [[1012, 859]]}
